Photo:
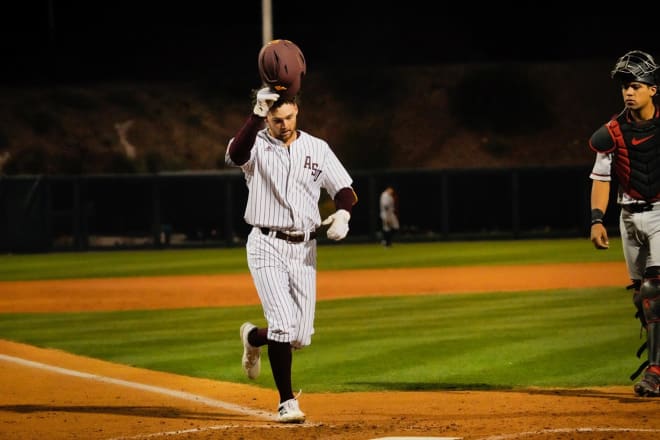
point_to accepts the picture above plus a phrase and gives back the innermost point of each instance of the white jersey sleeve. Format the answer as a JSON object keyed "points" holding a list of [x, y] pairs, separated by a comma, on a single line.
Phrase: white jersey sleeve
{"points": [[602, 169]]}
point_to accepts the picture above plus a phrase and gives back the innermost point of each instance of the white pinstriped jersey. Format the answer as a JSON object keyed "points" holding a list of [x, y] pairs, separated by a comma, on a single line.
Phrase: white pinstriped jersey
{"points": [[285, 183]]}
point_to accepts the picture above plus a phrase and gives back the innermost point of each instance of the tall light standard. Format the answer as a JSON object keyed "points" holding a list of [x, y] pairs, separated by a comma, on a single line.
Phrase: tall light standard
{"points": [[266, 21]]}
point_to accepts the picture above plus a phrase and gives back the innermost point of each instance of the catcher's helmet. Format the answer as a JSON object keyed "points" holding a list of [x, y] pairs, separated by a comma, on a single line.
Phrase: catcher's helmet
{"points": [[636, 65], [282, 67]]}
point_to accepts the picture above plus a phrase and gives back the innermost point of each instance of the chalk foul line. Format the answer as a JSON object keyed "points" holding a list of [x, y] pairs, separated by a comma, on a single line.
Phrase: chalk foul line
{"points": [[144, 387]]}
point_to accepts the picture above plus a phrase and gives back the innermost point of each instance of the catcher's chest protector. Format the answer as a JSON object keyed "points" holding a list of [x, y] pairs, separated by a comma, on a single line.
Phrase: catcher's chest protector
{"points": [[637, 156]]}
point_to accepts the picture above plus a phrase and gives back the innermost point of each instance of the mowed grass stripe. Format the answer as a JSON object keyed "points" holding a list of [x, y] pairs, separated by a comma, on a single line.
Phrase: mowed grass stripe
{"points": [[340, 256], [564, 338]]}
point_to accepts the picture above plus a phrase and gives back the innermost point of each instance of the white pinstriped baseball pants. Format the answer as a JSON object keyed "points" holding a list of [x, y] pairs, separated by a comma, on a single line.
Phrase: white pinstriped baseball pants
{"points": [[284, 275]]}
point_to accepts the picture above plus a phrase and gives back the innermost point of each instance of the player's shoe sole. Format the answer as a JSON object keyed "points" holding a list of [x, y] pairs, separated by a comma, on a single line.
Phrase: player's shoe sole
{"points": [[251, 355]]}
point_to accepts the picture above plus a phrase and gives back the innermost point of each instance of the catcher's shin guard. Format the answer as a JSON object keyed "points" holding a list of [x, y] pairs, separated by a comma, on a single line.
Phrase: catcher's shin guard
{"points": [[637, 301], [649, 385], [650, 295], [649, 299], [639, 314]]}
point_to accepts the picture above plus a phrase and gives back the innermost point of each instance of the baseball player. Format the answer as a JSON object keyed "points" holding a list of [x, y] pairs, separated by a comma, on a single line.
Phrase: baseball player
{"points": [[388, 216], [628, 145], [285, 169]]}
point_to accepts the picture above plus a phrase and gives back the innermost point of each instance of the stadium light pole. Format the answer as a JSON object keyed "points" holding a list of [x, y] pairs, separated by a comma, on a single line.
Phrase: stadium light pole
{"points": [[266, 21]]}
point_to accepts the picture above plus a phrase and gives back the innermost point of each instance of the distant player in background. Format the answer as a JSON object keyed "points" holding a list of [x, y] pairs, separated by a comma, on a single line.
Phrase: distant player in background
{"points": [[628, 146], [285, 169], [389, 216]]}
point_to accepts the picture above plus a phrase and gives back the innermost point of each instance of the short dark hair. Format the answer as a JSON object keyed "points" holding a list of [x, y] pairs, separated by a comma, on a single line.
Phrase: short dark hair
{"points": [[285, 100]]}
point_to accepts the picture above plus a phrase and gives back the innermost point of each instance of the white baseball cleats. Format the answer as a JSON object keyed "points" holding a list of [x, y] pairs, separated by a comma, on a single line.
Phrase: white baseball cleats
{"points": [[289, 412], [251, 355]]}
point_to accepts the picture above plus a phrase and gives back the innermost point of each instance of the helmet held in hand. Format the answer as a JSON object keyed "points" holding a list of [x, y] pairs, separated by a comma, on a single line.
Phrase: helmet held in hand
{"points": [[282, 67]]}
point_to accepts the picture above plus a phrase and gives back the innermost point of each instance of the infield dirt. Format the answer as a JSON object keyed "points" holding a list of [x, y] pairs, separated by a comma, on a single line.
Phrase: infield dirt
{"points": [[49, 394]]}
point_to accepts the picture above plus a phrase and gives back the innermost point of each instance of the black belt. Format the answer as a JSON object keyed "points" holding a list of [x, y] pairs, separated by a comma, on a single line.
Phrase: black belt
{"points": [[287, 237], [638, 207]]}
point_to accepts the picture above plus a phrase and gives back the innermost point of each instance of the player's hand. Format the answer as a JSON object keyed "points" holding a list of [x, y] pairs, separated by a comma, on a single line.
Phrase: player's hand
{"points": [[265, 99], [599, 236], [338, 224]]}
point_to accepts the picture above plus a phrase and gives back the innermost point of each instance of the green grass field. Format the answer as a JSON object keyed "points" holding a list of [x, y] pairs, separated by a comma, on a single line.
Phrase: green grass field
{"points": [[330, 257], [551, 338]]}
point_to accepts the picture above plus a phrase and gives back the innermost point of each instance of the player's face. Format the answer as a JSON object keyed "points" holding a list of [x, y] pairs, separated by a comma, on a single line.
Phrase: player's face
{"points": [[282, 122], [637, 95]]}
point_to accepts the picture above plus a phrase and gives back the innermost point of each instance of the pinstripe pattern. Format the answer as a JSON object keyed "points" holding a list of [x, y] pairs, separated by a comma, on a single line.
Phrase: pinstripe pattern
{"points": [[285, 277], [285, 185]]}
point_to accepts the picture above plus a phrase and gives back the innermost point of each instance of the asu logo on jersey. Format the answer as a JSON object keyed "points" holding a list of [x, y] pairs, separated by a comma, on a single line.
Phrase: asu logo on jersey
{"points": [[316, 172]]}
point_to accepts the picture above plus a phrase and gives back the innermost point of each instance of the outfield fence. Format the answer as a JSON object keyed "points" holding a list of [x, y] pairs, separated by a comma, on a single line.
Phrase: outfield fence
{"points": [[76, 213]]}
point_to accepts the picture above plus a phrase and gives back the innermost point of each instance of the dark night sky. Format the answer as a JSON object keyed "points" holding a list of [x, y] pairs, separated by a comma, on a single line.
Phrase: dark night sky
{"points": [[89, 40]]}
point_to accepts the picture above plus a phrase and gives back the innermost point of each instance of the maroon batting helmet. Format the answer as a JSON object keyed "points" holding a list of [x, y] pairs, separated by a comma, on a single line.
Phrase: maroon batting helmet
{"points": [[282, 67]]}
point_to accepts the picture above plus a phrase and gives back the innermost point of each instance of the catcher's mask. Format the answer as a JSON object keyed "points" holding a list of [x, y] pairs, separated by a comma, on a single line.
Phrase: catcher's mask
{"points": [[635, 65]]}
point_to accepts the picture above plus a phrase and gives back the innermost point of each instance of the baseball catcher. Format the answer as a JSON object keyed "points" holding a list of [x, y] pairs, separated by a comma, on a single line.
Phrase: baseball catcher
{"points": [[627, 148]]}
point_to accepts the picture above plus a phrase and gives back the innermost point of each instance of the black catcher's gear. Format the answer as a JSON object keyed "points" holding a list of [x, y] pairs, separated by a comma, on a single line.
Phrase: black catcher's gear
{"points": [[637, 147], [650, 295], [636, 65]]}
